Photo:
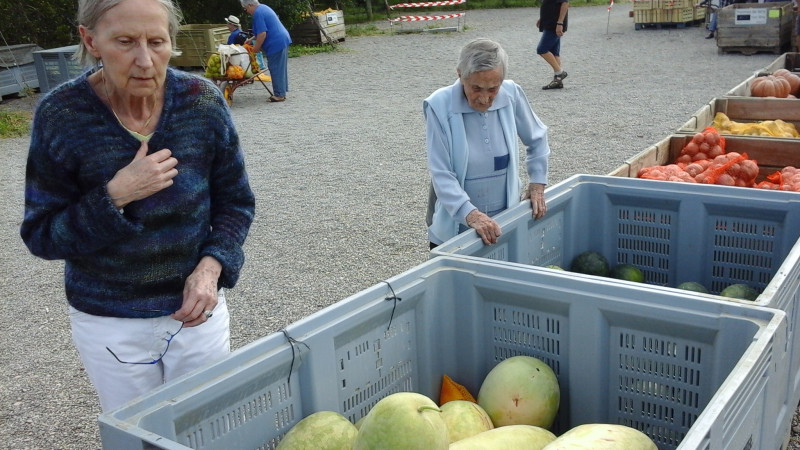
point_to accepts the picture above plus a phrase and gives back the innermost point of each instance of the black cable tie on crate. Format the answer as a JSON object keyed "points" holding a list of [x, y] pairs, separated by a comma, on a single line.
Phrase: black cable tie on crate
{"points": [[396, 299], [292, 342]]}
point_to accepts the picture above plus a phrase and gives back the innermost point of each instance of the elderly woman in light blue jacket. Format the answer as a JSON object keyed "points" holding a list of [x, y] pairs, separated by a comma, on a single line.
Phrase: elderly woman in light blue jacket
{"points": [[473, 128]]}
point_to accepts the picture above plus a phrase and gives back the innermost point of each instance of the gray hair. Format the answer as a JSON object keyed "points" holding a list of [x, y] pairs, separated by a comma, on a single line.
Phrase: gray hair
{"points": [[248, 2], [480, 55], [90, 12]]}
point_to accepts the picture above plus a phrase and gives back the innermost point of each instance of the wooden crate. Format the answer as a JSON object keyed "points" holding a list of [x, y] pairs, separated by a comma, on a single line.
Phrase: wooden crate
{"points": [[745, 109], [315, 29], [789, 61], [752, 27], [680, 15], [675, 4], [197, 42], [771, 154]]}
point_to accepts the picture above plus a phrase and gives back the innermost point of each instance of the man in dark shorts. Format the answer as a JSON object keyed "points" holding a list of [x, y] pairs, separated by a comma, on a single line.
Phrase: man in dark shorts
{"points": [[552, 24]]}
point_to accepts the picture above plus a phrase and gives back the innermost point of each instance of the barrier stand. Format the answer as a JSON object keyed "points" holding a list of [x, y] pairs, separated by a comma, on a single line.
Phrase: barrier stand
{"points": [[400, 19]]}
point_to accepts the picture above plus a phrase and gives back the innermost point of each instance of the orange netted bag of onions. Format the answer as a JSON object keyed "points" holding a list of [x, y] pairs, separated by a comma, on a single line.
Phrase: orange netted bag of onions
{"points": [[453, 391], [704, 160], [786, 179], [730, 169], [672, 172], [707, 144]]}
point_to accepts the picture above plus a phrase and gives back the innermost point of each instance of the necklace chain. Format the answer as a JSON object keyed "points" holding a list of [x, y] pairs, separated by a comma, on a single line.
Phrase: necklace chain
{"points": [[111, 105]]}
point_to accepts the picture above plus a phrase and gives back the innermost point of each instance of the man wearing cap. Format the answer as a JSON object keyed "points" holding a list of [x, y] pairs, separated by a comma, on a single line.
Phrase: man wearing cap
{"points": [[235, 27]]}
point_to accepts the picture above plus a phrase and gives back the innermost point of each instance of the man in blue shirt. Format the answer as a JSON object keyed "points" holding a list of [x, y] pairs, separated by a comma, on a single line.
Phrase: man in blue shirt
{"points": [[271, 38]]}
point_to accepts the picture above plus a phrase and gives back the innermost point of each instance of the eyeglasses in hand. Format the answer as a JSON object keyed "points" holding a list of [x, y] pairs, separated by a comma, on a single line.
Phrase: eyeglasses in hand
{"points": [[155, 361]]}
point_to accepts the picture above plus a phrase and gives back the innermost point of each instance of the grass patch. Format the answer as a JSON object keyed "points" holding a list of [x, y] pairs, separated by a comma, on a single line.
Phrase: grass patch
{"points": [[363, 30], [297, 50], [14, 124]]}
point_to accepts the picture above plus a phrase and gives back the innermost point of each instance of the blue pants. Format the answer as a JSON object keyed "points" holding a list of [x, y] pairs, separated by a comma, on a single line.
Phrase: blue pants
{"points": [[550, 42], [712, 26], [278, 65]]}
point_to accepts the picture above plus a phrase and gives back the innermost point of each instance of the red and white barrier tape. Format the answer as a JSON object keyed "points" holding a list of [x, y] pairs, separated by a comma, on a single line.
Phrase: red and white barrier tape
{"points": [[422, 18], [427, 4]]}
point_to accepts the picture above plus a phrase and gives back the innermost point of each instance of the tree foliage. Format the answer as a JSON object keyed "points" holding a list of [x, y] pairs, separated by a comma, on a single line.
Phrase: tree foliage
{"points": [[52, 23], [47, 23]]}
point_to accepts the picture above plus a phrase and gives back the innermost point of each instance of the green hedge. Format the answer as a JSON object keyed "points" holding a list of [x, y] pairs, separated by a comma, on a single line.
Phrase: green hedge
{"points": [[51, 23]]}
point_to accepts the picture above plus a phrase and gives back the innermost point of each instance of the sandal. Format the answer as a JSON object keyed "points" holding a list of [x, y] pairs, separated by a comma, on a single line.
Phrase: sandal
{"points": [[277, 99], [561, 77], [555, 84]]}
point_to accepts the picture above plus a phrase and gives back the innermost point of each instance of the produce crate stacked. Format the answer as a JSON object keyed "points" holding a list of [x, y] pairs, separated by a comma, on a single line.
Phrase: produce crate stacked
{"points": [[691, 370], [658, 13], [197, 41], [752, 27], [325, 26]]}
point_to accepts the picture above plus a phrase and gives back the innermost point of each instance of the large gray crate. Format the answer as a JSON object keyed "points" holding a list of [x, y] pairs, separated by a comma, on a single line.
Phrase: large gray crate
{"points": [[55, 66], [17, 72], [692, 375], [674, 232]]}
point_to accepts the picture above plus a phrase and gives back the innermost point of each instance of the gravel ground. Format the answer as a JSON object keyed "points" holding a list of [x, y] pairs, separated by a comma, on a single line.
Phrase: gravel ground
{"points": [[340, 178]]}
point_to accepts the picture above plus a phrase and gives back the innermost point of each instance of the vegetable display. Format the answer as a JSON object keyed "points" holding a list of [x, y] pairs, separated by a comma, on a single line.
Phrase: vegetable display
{"points": [[770, 86]]}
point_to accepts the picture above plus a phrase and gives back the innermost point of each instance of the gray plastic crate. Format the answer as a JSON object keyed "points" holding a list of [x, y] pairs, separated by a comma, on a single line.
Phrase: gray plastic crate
{"points": [[674, 232], [690, 374], [55, 66], [17, 72]]}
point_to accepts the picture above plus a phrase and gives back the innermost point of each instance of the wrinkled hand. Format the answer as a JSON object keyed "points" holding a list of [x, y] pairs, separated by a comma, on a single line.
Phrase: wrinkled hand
{"points": [[143, 177], [485, 226], [199, 293], [536, 194]]}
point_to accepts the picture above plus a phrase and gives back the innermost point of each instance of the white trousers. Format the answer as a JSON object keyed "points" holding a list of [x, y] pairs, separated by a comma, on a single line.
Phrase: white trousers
{"points": [[145, 340]]}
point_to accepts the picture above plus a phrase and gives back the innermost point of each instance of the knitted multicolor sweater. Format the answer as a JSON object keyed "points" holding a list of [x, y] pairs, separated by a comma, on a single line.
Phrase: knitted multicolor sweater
{"points": [[134, 264]]}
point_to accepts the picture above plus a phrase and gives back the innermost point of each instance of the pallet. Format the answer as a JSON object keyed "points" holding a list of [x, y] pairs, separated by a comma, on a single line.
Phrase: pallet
{"points": [[660, 25], [777, 50]]}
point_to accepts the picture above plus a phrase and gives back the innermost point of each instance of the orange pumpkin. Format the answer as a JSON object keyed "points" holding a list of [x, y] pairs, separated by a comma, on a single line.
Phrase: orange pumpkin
{"points": [[791, 77], [770, 86]]}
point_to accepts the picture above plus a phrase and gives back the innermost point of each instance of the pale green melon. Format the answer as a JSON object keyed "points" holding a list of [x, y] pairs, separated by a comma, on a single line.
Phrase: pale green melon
{"points": [[526, 437], [323, 430], [464, 419], [601, 436], [405, 420], [521, 390]]}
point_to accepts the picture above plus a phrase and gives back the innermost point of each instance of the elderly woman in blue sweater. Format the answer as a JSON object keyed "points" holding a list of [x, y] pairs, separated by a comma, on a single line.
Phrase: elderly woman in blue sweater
{"points": [[136, 179], [473, 155]]}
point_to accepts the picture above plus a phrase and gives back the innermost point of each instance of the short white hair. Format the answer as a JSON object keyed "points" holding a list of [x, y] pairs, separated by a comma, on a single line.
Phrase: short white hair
{"points": [[480, 55]]}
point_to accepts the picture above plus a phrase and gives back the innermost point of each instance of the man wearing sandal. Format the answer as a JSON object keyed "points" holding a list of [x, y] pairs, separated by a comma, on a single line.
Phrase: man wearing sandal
{"points": [[271, 38], [552, 24]]}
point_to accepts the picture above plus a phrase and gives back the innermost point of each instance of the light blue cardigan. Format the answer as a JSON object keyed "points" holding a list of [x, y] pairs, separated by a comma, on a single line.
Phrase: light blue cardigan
{"points": [[534, 135]]}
